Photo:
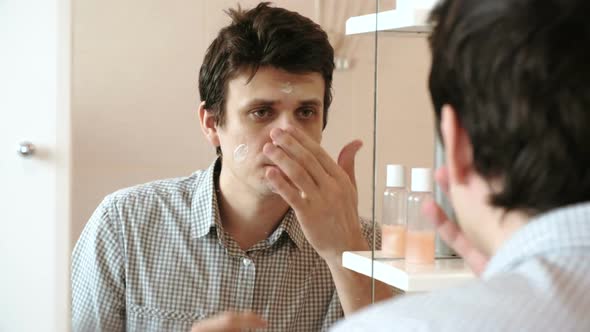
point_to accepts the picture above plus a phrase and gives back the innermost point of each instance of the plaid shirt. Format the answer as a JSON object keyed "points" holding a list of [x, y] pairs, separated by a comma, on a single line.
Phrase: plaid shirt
{"points": [[155, 257]]}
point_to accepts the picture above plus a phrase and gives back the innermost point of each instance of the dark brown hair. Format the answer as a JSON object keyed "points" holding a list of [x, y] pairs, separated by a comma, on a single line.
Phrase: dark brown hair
{"points": [[264, 36], [517, 73]]}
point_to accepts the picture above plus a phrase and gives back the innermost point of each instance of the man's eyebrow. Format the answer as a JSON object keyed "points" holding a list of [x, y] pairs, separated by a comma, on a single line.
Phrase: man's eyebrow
{"points": [[311, 102], [269, 102], [260, 102]]}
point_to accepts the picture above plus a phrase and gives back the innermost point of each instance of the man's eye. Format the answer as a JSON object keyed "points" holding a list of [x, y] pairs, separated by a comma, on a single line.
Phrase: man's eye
{"points": [[307, 113], [261, 113]]}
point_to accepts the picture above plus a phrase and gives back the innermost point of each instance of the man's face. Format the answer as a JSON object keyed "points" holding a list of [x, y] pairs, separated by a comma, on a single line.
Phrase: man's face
{"points": [[273, 98]]}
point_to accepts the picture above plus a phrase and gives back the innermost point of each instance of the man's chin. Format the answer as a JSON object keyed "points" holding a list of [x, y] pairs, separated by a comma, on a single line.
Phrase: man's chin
{"points": [[266, 190]]}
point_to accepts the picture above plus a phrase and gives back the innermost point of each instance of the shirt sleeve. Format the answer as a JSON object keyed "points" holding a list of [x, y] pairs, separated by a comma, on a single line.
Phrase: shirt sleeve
{"points": [[384, 317], [334, 312], [98, 274], [367, 228]]}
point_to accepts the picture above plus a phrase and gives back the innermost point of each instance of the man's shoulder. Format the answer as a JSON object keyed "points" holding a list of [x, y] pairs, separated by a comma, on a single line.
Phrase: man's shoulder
{"points": [[414, 312], [158, 190], [139, 210], [152, 204], [508, 302]]}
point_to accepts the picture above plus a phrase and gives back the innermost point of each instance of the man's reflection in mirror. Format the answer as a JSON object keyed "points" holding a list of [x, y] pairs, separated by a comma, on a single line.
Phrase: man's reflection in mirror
{"points": [[255, 240]]}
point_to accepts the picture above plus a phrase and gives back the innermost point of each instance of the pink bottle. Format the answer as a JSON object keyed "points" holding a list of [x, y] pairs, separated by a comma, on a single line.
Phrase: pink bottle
{"points": [[393, 226], [420, 237]]}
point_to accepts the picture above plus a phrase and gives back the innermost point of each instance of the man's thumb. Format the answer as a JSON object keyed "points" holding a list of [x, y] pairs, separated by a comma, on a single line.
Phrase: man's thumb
{"points": [[346, 158]]}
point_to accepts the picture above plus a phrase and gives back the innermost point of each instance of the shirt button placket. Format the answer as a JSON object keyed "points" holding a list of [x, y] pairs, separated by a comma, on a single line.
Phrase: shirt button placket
{"points": [[246, 282]]}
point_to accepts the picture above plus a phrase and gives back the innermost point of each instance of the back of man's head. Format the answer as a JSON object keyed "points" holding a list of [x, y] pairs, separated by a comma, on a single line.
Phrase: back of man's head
{"points": [[517, 73], [264, 36]]}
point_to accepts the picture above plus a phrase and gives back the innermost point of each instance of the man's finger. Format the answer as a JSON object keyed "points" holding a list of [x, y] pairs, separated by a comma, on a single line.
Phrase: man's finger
{"points": [[280, 185], [346, 159], [454, 237], [299, 153], [295, 172], [447, 229], [442, 178], [322, 156]]}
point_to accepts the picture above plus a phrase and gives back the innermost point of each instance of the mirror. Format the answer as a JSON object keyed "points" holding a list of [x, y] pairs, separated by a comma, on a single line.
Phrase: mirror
{"points": [[135, 95], [135, 110]]}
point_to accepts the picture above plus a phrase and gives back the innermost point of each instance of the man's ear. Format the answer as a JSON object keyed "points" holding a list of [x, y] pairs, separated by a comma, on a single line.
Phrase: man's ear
{"points": [[458, 148], [208, 125]]}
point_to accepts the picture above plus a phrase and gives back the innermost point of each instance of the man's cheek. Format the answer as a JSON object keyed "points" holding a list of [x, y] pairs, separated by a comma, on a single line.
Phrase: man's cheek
{"points": [[241, 153]]}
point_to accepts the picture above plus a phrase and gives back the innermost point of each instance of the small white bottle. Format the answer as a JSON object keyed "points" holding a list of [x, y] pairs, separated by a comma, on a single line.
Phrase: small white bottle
{"points": [[420, 238], [393, 226]]}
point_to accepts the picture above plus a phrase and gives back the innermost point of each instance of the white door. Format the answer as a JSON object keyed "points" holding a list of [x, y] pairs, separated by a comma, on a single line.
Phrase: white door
{"points": [[34, 189]]}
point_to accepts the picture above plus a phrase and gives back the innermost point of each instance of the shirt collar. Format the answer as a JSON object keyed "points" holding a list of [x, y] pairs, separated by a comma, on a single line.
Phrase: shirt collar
{"points": [[206, 212], [558, 230], [204, 202], [289, 225]]}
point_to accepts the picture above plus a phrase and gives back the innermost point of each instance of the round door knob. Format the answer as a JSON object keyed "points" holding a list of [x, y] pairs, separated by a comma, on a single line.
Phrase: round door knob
{"points": [[26, 149]]}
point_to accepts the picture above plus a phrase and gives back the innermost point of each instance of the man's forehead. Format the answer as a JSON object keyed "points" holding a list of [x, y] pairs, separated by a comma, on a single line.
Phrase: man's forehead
{"points": [[277, 76], [275, 86]]}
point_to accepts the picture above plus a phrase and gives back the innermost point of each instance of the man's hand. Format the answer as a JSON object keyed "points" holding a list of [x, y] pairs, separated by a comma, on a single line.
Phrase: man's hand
{"points": [[321, 192], [450, 232], [324, 197], [230, 322]]}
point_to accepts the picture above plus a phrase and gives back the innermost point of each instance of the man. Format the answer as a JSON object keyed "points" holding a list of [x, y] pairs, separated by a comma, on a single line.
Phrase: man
{"points": [[255, 240], [510, 82]]}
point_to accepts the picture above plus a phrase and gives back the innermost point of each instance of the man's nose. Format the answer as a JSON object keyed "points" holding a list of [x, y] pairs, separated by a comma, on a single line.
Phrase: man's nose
{"points": [[286, 120]]}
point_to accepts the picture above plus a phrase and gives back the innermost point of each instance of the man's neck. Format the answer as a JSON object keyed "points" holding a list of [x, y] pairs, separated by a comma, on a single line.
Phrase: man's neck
{"points": [[506, 224], [247, 216]]}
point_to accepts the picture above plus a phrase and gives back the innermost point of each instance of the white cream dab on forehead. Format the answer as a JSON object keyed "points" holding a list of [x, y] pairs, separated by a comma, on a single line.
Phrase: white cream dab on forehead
{"points": [[287, 87], [241, 152]]}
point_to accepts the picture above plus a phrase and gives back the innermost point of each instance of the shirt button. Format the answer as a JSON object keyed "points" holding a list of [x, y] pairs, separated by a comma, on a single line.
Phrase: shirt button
{"points": [[247, 261]]}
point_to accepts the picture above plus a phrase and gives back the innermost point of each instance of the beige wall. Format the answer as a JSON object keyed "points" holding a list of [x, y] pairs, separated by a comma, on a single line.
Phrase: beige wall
{"points": [[405, 132], [135, 70]]}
